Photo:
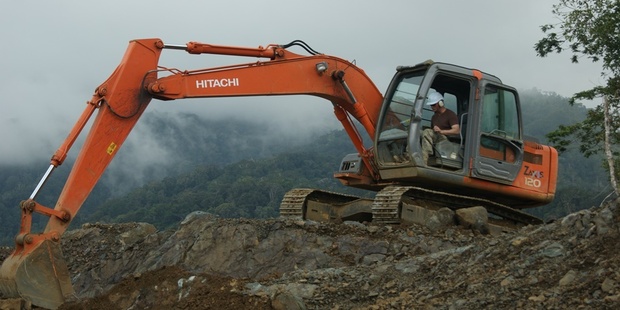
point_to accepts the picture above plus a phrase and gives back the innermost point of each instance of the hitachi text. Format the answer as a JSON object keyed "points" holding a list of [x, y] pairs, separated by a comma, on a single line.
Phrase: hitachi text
{"points": [[217, 83]]}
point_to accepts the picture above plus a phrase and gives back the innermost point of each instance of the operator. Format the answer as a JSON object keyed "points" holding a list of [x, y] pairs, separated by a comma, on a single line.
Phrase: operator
{"points": [[444, 122]]}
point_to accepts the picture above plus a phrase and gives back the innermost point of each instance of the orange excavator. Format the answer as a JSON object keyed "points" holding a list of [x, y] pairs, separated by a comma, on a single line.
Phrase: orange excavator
{"points": [[489, 163]]}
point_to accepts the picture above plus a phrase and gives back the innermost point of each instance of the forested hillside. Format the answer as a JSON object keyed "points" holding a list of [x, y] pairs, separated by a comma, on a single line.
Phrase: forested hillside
{"points": [[240, 169], [249, 188], [162, 145], [583, 183]]}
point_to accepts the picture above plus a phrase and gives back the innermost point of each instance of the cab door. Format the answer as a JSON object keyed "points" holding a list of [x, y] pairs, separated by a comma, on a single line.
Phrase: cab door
{"points": [[498, 148]]}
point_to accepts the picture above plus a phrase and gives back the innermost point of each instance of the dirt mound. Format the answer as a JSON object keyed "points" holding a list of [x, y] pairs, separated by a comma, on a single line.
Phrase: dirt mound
{"points": [[171, 288], [213, 263]]}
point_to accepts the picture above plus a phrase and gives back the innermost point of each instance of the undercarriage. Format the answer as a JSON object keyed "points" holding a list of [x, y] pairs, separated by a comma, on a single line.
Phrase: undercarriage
{"points": [[392, 205]]}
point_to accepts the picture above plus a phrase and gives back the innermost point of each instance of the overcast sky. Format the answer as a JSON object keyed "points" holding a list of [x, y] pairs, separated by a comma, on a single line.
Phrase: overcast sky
{"points": [[56, 52]]}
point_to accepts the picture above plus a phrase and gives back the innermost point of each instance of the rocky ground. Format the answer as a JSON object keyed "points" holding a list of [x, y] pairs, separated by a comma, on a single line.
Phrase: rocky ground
{"points": [[213, 263]]}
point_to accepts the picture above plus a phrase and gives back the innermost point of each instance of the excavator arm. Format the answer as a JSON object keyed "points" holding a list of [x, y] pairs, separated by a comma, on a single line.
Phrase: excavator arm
{"points": [[350, 90], [36, 270]]}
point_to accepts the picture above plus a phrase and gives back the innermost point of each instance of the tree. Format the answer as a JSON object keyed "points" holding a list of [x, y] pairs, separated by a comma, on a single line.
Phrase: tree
{"points": [[590, 28]]}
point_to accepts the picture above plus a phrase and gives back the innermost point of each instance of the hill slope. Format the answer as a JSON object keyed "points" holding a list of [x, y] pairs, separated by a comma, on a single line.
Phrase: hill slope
{"points": [[214, 263]]}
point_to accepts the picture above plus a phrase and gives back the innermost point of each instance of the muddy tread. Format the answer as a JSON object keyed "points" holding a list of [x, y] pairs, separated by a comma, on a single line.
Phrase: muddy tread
{"points": [[294, 201], [386, 208]]}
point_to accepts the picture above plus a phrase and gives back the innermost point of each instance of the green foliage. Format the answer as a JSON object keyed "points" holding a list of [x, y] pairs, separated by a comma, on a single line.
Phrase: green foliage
{"points": [[249, 188], [581, 180], [586, 28], [589, 132], [590, 29]]}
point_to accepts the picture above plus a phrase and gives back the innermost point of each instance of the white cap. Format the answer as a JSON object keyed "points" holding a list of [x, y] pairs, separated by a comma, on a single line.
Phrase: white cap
{"points": [[433, 98]]}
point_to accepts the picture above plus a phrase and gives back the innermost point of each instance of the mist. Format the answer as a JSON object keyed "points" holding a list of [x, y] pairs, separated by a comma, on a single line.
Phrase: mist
{"points": [[57, 54], [158, 145]]}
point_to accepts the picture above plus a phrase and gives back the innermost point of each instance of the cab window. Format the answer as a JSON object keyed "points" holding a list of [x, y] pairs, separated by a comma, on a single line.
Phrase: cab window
{"points": [[500, 115], [499, 128], [396, 120]]}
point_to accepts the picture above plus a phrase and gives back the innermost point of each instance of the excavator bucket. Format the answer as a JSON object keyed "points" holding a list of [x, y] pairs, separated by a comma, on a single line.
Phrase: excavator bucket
{"points": [[40, 276], [37, 271]]}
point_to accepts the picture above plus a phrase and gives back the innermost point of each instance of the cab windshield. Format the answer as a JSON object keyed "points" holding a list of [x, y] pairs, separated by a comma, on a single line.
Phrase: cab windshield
{"points": [[397, 116]]}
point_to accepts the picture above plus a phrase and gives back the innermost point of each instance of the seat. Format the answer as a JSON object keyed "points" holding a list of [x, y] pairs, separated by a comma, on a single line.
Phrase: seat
{"points": [[462, 126]]}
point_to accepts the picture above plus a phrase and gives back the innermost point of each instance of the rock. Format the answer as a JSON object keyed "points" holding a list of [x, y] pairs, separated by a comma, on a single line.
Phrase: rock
{"points": [[508, 281], [570, 220], [12, 304], [555, 249], [539, 298], [612, 298], [136, 234], [608, 285], [287, 301], [568, 278], [518, 241], [372, 259], [476, 218], [441, 219], [603, 221]]}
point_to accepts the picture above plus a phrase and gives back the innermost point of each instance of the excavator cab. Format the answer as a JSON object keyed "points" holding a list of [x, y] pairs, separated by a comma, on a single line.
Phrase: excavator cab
{"points": [[490, 134], [489, 149], [405, 115]]}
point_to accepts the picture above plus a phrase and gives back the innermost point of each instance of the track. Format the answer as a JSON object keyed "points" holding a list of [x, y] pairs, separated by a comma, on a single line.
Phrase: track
{"points": [[386, 206], [292, 205], [295, 202]]}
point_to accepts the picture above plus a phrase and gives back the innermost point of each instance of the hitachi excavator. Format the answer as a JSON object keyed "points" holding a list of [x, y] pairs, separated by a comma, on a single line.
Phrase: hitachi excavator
{"points": [[489, 163]]}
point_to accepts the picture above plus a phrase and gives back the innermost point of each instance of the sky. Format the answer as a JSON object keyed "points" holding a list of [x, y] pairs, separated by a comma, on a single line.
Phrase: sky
{"points": [[56, 52]]}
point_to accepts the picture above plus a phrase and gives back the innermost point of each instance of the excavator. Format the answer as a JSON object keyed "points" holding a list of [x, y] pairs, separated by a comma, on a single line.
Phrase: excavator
{"points": [[490, 163]]}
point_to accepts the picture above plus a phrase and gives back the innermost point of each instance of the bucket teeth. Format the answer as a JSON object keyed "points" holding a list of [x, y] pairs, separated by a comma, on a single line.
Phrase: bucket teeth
{"points": [[40, 276]]}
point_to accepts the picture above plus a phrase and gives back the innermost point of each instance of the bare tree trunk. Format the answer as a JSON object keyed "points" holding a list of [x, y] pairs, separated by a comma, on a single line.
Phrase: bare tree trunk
{"points": [[608, 153]]}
